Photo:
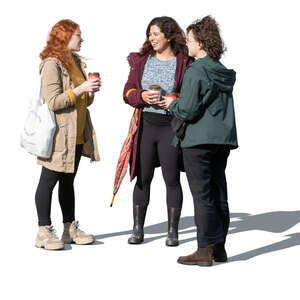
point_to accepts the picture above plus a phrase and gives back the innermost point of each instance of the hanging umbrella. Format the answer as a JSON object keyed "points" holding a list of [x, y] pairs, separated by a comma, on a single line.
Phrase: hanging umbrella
{"points": [[123, 160]]}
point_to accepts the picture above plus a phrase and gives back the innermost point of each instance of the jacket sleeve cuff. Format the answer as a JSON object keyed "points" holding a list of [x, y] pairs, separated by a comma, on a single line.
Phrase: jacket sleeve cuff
{"points": [[72, 96], [171, 106], [129, 92]]}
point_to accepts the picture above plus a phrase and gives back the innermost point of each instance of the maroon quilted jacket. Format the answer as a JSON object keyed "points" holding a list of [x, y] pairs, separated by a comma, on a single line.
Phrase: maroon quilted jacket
{"points": [[134, 90]]}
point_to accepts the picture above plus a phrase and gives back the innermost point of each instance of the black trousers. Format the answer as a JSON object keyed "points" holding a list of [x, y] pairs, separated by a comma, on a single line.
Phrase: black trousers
{"points": [[205, 169], [155, 144], [66, 195]]}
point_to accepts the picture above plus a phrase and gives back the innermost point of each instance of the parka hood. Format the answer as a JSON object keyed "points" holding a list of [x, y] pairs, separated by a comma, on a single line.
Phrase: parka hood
{"points": [[224, 78]]}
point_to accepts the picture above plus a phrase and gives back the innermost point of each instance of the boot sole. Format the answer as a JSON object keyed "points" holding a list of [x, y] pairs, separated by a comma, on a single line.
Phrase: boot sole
{"points": [[172, 244], [135, 243], [221, 260], [201, 264]]}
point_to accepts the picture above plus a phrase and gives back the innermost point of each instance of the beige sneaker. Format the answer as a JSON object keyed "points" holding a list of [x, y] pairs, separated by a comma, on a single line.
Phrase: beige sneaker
{"points": [[72, 234], [46, 238]]}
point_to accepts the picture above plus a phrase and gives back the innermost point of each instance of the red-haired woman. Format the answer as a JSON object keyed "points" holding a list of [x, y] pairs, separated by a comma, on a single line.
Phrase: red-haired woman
{"points": [[161, 61], [66, 90]]}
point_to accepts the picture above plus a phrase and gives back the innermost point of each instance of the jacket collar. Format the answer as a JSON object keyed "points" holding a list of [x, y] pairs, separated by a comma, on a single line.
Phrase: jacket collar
{"points": [[181, 62], [58, 62]]}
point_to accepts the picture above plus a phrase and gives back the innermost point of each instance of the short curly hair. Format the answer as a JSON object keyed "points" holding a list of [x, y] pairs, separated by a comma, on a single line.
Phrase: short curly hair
{"points": [[206, 31]]}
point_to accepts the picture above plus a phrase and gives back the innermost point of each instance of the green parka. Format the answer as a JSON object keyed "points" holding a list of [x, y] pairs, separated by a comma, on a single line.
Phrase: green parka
{"points": [[206, 105]]}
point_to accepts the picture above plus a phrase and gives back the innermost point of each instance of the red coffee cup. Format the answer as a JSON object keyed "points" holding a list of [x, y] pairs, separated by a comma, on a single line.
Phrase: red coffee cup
{"points": [[94, 75], [172, 95]]}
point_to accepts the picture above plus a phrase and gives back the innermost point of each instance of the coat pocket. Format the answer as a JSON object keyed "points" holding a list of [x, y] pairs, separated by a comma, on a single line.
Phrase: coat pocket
{"points": [[60, 139], [178, 127], [216, 107]]}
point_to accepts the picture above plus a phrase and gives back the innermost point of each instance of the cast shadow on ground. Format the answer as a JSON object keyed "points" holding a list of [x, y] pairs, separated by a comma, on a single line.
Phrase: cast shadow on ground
{"points": [[275, 222], [159, 229]]}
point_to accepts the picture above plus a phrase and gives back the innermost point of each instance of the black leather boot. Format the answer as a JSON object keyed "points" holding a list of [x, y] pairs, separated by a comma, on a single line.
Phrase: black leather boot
{"points": [[173, 221], [219, 253], [139, 214]]}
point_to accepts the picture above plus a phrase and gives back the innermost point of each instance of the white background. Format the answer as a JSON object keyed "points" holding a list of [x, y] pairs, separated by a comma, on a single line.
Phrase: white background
{"points": [[262, 38]]}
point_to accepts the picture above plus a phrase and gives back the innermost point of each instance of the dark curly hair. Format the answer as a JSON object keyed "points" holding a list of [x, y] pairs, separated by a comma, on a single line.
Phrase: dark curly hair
{"points": [[206, 31], [172, 32]]}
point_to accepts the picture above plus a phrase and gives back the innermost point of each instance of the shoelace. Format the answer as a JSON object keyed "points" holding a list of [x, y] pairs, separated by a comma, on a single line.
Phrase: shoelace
{"points": [[52, 232], [76, 227]]}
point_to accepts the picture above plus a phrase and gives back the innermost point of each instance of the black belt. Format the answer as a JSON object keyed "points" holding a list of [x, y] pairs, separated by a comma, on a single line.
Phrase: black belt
{"points": [[157, 119]]}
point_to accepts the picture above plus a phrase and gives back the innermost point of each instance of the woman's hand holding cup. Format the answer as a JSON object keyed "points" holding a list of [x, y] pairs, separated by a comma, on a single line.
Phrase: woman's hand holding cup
{"points": [[168, 99], [93, 85], [95, 77], [150, 97], [89, 86]]}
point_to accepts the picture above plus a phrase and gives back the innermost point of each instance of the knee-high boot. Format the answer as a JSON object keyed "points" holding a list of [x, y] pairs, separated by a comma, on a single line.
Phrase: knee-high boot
{"points": [[173, 222], [139, 214]]}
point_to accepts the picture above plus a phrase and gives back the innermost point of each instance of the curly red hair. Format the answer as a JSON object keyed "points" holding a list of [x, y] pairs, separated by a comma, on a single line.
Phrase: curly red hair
{"points": [[57, 44]]}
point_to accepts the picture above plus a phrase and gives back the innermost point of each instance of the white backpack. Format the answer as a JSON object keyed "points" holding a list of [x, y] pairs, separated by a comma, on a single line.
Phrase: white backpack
{"points": [[39, 129]]}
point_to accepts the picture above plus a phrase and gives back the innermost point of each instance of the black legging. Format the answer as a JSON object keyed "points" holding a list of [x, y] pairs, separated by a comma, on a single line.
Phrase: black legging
{"points": [[155, 142], [66, 195]]}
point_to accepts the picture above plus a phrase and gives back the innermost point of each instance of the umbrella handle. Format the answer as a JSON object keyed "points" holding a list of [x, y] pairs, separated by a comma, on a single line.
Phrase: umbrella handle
{"points": [[136, 112], [112, 201]]}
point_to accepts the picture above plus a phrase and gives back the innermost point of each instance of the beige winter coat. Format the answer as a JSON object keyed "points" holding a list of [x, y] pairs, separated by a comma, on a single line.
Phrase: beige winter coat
{"points": [[55, 81]]}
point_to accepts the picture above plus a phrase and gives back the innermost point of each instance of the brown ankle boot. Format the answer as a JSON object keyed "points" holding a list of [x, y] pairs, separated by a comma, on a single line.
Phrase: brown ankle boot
{"points": [[219, 253], [202, 257]]}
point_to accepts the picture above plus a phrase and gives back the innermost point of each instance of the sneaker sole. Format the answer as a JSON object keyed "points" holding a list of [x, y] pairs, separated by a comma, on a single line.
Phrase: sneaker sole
{"points": [[53, 247], [86, 242]]}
